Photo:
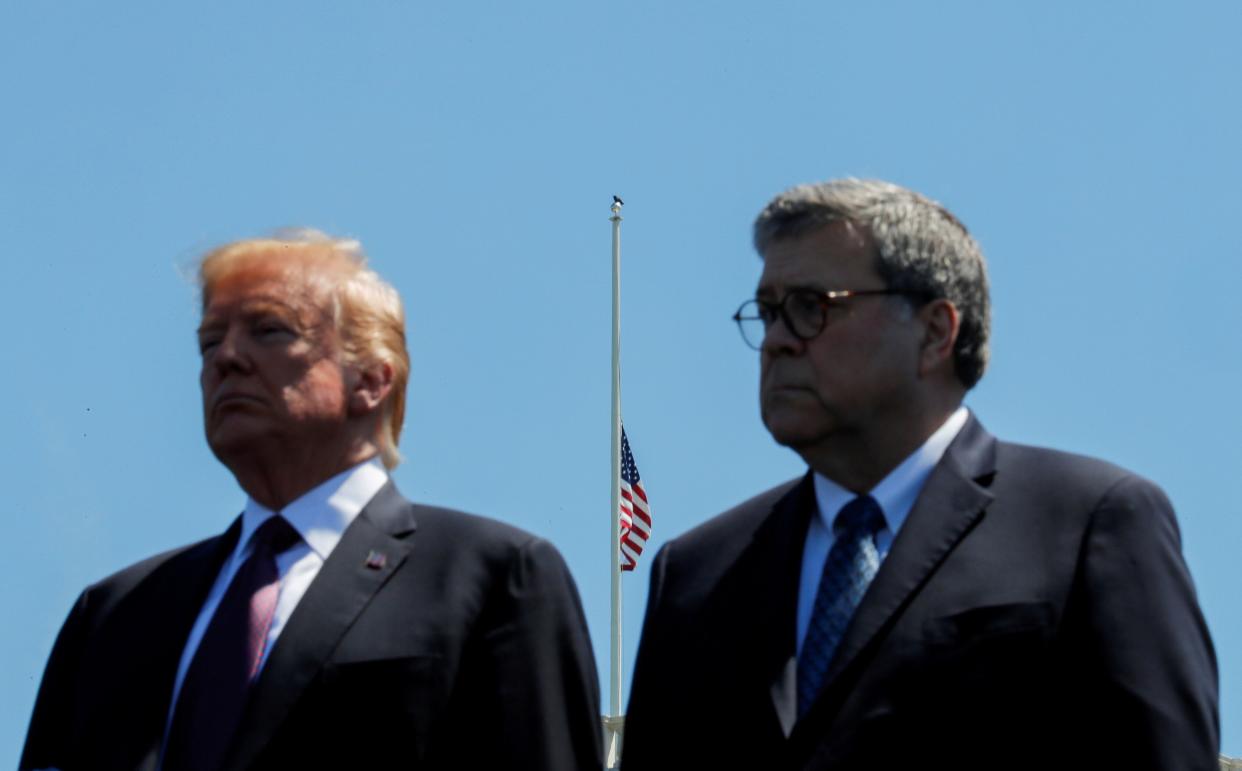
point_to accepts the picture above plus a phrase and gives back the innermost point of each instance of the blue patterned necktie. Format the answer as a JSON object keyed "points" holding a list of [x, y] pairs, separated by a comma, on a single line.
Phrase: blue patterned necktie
{"points": [[852, 563]]}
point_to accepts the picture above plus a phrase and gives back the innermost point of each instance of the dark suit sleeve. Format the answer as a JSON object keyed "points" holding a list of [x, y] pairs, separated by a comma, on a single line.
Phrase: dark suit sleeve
{"points": [[1147, 649], [47, 740], [529, 692]]}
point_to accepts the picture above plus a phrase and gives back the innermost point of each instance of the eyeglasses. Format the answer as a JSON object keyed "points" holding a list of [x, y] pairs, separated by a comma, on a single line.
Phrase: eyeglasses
{"points": [[804, 311]]}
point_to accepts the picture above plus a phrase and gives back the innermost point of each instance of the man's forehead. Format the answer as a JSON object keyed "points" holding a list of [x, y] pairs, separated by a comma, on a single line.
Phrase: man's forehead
{"points": [[827, 258], [267, 290]]}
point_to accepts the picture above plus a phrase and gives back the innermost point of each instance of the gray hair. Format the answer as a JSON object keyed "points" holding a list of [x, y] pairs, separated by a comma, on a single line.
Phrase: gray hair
{"points": [[922, 249]]}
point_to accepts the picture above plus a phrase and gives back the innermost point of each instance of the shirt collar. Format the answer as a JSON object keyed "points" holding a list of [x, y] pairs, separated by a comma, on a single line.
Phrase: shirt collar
{"points": [[322, 513], [897, 492]]}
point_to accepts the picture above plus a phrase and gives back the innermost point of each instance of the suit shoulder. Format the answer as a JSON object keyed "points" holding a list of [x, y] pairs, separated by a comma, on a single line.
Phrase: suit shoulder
{"points": [[500, 570], [1070, 480], [1071, 468], [460, 532], [125, 579], [101, 598], [736, 525]]}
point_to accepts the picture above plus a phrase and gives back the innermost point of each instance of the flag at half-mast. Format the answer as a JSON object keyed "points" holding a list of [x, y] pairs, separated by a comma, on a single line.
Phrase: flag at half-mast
{"points": [[635, 513]]}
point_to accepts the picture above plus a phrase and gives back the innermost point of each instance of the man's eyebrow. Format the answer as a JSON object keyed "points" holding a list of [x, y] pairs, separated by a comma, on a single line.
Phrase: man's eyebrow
{"points": [[271, 308], [769, 291], [251, 310]]}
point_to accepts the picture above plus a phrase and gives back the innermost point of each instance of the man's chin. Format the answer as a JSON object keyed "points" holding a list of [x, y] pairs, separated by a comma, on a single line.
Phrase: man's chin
{"points": [[233, 437], [793, 430]]}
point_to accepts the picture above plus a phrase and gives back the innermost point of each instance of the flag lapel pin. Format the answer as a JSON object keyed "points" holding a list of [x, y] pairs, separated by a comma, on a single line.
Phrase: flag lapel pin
{"points": [[376, 560]]}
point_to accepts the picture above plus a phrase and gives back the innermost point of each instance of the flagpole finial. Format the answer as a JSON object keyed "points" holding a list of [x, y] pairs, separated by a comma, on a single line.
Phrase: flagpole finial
{"points": [[617, 203]]}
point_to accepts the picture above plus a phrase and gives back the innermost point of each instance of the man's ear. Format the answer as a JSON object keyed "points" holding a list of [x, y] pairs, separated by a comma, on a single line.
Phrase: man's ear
{"points": [[370, 387], [941, 324]]}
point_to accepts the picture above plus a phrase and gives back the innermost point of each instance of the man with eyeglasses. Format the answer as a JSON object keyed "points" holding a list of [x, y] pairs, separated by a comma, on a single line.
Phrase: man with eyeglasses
{"points": [[926, 595]]}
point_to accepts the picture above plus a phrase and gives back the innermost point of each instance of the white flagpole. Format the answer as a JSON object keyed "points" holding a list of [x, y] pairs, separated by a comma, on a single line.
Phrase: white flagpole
{"points": [[612, 723]]}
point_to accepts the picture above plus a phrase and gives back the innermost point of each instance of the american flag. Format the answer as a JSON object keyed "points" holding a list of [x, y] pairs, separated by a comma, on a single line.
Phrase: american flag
{"points": [[635, 513]]}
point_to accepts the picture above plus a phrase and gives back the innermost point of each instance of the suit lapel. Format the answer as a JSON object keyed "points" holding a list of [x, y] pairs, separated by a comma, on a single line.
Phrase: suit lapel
{"points": [[369, 552], [756, 600], [779, 542], [952, 501], [172, 595], [790, 520]]}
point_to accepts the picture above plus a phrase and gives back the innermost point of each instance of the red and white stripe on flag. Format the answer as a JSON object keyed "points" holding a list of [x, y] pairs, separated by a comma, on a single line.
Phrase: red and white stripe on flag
{"points": [[635, 512]]}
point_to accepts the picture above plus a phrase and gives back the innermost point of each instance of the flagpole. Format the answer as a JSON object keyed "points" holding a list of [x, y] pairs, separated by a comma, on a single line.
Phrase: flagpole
{"points": [[613, 726]]}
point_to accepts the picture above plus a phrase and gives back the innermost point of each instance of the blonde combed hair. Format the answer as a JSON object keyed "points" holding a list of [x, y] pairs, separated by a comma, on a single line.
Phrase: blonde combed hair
{"points": [[366, 310]]}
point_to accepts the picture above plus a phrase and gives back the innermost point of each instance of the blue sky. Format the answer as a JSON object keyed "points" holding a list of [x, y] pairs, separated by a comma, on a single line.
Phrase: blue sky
{"points": [[473, 149]]}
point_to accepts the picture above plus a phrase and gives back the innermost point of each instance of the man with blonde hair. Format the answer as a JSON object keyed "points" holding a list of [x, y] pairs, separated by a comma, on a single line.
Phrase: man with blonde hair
{"points": [[334, 624]]}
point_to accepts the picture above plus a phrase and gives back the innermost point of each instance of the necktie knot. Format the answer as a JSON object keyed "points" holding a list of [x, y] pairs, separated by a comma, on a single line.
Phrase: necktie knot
{"points": [[861, 515], [274, 536]]}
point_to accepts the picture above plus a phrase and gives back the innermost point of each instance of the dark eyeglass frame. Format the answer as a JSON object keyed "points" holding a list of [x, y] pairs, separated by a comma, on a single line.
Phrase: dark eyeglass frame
{"points": [[826, 300]]}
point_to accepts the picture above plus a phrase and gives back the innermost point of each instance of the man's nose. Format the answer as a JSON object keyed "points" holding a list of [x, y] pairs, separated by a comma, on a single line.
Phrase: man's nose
{"points": [[778, 340], [231, 353]]}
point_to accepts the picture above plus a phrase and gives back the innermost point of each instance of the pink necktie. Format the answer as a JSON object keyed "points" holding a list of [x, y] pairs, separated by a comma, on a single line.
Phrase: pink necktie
{"points": [[227, 661]]}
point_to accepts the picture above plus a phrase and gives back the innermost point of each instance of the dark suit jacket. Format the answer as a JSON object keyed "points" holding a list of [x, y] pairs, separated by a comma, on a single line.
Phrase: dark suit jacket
{"points": [[466, 649], [1034, 612]]}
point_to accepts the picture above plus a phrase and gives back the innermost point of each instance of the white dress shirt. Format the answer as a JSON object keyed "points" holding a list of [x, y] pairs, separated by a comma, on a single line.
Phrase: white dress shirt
{"points": [[320, 516], [895, 494]]}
